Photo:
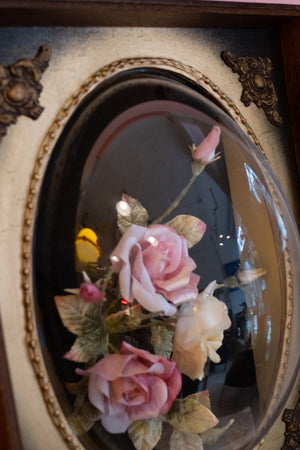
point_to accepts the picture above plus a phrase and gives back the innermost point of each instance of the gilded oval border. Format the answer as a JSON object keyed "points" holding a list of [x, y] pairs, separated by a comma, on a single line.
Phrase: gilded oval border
{"points": [[42, 158]]}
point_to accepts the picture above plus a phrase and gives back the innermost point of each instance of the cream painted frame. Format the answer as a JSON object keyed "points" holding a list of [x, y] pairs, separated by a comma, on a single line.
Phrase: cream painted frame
{"points": [[10, 158]]}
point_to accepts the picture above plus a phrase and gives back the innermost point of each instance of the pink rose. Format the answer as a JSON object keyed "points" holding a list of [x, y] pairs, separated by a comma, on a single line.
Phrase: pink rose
{"points": [[154, 265], [206, 150], [90, 293], [130, 386]]}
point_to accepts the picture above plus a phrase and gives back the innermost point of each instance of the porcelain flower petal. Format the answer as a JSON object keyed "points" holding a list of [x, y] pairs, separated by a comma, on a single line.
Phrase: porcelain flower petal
{"points": [[206, 150], [154, 267], [199, 332], [132, 385]]}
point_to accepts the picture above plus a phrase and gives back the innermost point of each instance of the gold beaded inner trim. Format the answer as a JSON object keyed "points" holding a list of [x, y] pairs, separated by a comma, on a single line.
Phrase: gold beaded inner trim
{"points": [[43, 155]]}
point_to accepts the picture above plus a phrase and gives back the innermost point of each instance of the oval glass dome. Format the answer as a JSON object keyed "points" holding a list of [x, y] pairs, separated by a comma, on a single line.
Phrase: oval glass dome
{"points": [[178, 251]]}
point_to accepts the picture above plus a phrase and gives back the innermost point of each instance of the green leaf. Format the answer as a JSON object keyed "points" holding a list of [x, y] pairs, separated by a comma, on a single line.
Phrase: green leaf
{"points": [[76, 388], [185, 441], [77, 316], [211, 436], [145, 434], [162, 340], [129, 319], [88, 346], [80, 390], [87, 415], [190, 227], [188, 415]]}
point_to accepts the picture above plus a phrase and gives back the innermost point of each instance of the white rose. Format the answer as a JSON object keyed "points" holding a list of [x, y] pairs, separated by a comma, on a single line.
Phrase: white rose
{"points": [[199, 332]]}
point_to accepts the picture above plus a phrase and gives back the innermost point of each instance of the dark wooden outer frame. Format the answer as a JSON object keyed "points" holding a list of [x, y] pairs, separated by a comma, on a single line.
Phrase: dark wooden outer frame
{"points": [[182, 13], [159, 13]]}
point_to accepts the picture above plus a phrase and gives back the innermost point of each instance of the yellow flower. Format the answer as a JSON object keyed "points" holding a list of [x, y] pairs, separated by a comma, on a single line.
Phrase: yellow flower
{"points": [[199, 332]]}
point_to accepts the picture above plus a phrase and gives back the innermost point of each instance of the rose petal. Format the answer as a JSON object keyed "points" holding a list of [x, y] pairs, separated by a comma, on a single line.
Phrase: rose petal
{"points": [[158, 397], [135, 366], [133, 235], [206, 150], [174, 383], [154, 362], [141, 274], [174, 244], [185, 293], [116, 424], [178, 279], [128, 392], [152, 301], [122, 253], [98, 392], [110, 367], [190, 362], [209, 290], [155, 261]]}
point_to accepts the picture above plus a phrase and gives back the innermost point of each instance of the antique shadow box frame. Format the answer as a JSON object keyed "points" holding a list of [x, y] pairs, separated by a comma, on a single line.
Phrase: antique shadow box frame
{"points": [[281, 22]]}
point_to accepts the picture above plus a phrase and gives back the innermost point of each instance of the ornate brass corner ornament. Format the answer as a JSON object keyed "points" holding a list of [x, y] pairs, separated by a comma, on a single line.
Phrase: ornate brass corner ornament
{"points": [[255, 76], [20, 88], [291, 417]]}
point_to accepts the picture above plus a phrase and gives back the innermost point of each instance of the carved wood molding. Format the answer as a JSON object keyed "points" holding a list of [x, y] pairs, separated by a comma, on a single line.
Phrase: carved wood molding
{"points": [[291, 417], [255, 76], [20, 88]]}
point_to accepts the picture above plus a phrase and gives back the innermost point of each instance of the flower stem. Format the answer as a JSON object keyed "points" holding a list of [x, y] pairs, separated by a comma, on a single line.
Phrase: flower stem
{"points": [[106, 280], [112, 349], [177, 200], [198, 166]]}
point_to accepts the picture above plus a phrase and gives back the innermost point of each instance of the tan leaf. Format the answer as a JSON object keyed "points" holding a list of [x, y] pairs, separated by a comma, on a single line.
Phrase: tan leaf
{"points": [[188, 415], [162, 340], [191, 228], [145, 434], [130, 211], [76, 315], [201, 397], [185, 441], [211, 436]]}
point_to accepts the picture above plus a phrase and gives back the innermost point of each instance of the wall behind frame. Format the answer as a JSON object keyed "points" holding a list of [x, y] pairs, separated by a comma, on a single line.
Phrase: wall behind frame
{"points": [[76, 54]]}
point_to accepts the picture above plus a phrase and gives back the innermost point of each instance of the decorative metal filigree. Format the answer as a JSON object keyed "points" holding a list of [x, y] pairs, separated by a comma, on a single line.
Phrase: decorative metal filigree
{"points": [[255, 76], [20, 88], [291, 417]]}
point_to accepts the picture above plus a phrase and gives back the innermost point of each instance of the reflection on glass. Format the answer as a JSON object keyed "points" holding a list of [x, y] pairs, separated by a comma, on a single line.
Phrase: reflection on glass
{"points": [[154, 171], [87, 248], [140, 169], [254, 184]]}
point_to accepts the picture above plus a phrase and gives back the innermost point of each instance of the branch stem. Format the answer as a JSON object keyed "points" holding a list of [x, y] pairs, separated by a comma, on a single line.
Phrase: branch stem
{"points": [[177, 200]]}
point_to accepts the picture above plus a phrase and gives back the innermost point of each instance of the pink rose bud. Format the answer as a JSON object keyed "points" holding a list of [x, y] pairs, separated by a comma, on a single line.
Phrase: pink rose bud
{"points": [[90, 293], [206, 150]]}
